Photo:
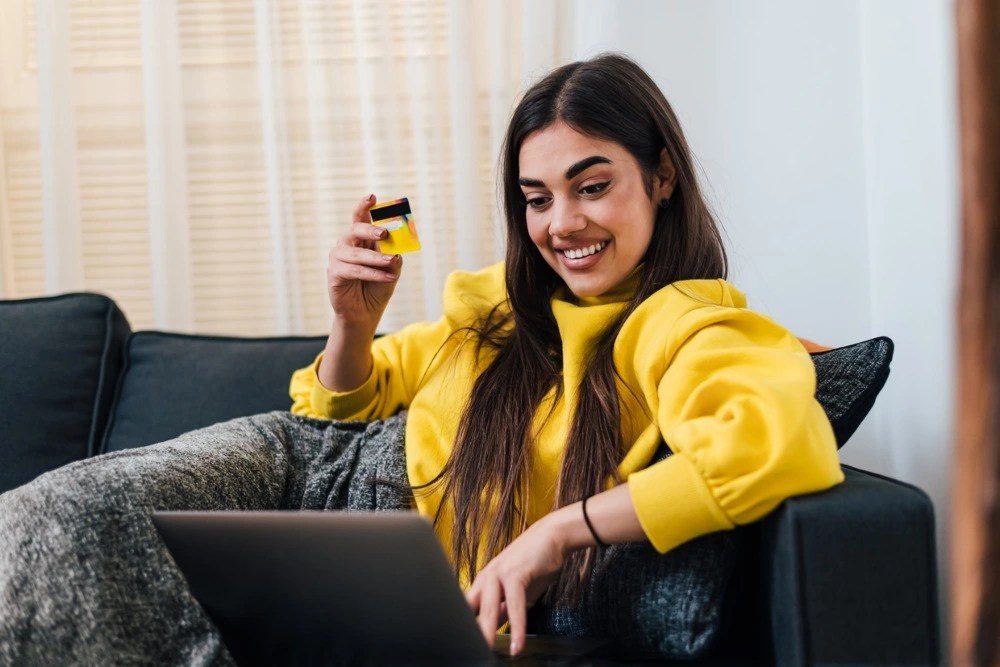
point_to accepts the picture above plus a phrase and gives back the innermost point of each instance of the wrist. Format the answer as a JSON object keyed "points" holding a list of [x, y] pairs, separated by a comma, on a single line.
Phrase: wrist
{"points": [[347, 358], [352, 330], [590, 525], [569, 528]]}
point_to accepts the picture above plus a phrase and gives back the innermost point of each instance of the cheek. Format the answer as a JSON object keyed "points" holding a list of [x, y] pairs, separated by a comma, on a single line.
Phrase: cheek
{"points": [[537, 230], [634, 227], [624, 205]]}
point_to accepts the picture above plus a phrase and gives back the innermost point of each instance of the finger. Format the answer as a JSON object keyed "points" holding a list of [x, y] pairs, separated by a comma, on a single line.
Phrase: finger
{"points": [[473, 596], [344, 260], [488, 611], [368, 233], [362, 231], [343, 272], [362, 256], [361, 211], [513, 592]]}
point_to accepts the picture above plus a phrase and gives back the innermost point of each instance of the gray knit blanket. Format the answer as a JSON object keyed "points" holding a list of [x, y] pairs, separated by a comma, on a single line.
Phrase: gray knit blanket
{"points": [[84, 576]]}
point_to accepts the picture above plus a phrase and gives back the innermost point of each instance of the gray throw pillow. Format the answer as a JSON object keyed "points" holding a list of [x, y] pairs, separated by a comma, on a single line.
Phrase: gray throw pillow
{"points": [[848, 379], [672, 605], [656, 605]]}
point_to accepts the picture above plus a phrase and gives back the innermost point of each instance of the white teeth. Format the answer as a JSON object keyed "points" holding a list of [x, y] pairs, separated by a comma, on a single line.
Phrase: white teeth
{"points": [[577, 253]]}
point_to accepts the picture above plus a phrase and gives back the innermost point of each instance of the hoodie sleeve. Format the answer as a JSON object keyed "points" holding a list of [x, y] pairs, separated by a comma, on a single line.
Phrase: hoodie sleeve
{"points": [[402, 359], [398, 361], [736, 405]]}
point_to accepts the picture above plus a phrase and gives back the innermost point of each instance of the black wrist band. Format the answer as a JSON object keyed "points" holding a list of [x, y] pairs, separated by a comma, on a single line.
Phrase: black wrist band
{"points": [[586, 518]]}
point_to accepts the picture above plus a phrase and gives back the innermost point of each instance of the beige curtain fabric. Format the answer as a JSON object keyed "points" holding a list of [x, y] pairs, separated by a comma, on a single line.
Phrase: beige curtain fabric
{"points": [[196, 159]]}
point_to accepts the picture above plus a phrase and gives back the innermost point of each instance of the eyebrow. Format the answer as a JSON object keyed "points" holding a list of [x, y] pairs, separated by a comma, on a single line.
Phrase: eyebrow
{"points": [[585, 163], [575, 170]]}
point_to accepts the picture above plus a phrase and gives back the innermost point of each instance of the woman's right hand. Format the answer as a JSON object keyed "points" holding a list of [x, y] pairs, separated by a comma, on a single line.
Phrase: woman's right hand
{"points": [[360, 279]]}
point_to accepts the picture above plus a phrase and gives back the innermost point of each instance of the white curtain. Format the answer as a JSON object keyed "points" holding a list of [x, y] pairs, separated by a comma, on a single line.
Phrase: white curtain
{"points": [[196, 159]]}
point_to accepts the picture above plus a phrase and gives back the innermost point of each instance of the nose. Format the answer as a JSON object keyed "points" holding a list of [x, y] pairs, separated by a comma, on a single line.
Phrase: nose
{"points": [[566, 219]]}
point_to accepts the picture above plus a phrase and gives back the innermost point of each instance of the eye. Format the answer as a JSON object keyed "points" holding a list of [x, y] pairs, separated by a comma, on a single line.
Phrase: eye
{"points": [[538, 203], [595, 188]]}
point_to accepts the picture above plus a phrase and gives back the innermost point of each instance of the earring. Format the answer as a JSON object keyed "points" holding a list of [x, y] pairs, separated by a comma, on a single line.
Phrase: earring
{"points": [[665, 202]]}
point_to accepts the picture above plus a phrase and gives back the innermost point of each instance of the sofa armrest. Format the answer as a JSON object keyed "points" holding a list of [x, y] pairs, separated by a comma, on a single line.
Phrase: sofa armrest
{"points": [[850, 575]]}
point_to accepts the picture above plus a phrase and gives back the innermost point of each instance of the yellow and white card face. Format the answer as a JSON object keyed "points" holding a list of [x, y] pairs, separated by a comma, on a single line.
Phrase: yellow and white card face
{"points": [[396, 217]]}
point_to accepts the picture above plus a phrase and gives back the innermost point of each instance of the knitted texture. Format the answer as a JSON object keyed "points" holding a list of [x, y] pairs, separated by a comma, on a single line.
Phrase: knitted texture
{"points": [[649, 604], [85, 578], [849, 379]]}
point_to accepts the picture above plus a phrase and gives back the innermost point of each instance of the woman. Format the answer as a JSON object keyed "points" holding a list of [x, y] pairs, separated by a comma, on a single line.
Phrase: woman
{"points": [[537, 402]]}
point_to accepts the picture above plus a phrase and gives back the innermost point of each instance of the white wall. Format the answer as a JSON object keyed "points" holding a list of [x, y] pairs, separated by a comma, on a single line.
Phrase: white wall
{"points": [[827, 135]]}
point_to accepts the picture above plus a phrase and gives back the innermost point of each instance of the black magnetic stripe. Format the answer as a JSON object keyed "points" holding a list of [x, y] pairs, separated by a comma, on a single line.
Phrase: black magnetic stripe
{"points": [[393, 211]]}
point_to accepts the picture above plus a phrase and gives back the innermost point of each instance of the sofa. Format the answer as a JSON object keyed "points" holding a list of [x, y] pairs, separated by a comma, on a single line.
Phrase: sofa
{"points": [[847, 576]]}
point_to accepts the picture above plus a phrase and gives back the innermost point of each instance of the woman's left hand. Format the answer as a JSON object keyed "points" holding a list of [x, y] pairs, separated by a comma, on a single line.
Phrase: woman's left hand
{"points": [[515, 579]]}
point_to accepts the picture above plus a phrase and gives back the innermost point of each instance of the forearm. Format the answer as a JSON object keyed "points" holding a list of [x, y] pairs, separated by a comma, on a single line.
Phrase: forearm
{"points": [[611, 513], [347, 358]]}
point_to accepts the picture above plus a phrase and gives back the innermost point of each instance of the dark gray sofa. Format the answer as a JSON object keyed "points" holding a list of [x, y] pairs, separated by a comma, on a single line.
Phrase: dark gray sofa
{"points": [[842, 577]]}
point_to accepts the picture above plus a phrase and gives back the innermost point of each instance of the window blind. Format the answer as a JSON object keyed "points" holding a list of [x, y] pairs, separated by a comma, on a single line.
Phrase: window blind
{"points": [[291, 111]]}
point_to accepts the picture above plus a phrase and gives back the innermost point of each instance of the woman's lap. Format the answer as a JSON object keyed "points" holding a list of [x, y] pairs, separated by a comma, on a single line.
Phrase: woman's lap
{"points": [[84, 577]]}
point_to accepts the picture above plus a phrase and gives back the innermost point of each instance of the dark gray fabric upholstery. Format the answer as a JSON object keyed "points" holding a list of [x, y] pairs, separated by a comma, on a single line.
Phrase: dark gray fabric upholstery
{"points": [[848, 379], [60, 358], [851, 575], [175, 383], [84, 576], [685, 587], [667, 606]]}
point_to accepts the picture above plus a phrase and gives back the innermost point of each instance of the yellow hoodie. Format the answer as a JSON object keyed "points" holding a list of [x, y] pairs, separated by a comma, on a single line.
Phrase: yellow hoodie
{"points": [[730, 391]]}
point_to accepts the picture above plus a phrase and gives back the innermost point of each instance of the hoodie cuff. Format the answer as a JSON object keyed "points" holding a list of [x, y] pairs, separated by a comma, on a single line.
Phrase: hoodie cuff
{"points": [[674, 503], [342, 404]]}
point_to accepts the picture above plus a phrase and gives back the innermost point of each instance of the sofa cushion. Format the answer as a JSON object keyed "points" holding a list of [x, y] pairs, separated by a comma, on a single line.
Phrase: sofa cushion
{"points": [[175, 383], [60, 358], [848, 379]]}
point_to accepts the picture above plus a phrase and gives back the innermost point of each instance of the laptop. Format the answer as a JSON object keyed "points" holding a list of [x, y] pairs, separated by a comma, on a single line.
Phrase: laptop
{"points": [[323, 588]]}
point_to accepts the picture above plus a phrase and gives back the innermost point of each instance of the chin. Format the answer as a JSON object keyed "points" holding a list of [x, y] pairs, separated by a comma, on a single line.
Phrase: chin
{"points": [[586, 289]]}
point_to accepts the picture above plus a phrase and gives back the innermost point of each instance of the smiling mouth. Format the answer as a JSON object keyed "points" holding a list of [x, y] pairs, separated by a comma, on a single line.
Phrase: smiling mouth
{"points": [[580, 253]]}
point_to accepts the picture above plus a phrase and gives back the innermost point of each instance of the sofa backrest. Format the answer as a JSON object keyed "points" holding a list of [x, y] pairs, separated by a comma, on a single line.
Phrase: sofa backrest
{"points": [[174, 383], [60, 358], [75, 382]]}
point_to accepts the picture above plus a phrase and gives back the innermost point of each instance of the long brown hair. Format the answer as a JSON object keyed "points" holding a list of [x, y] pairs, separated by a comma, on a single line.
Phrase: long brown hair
{"points": [[486, 478]]}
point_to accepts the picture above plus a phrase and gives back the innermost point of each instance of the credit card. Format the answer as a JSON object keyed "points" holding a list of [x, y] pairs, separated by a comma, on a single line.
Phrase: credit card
{"points": [[396, 217]]}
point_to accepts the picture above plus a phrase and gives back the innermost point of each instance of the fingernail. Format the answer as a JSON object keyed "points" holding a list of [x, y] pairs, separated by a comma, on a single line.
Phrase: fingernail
{"points": [[515, 646], [388, 258], [371, 197]]}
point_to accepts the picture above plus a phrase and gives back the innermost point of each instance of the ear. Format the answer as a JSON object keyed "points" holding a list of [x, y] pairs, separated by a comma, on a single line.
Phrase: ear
{"points": [[665, 178]]}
